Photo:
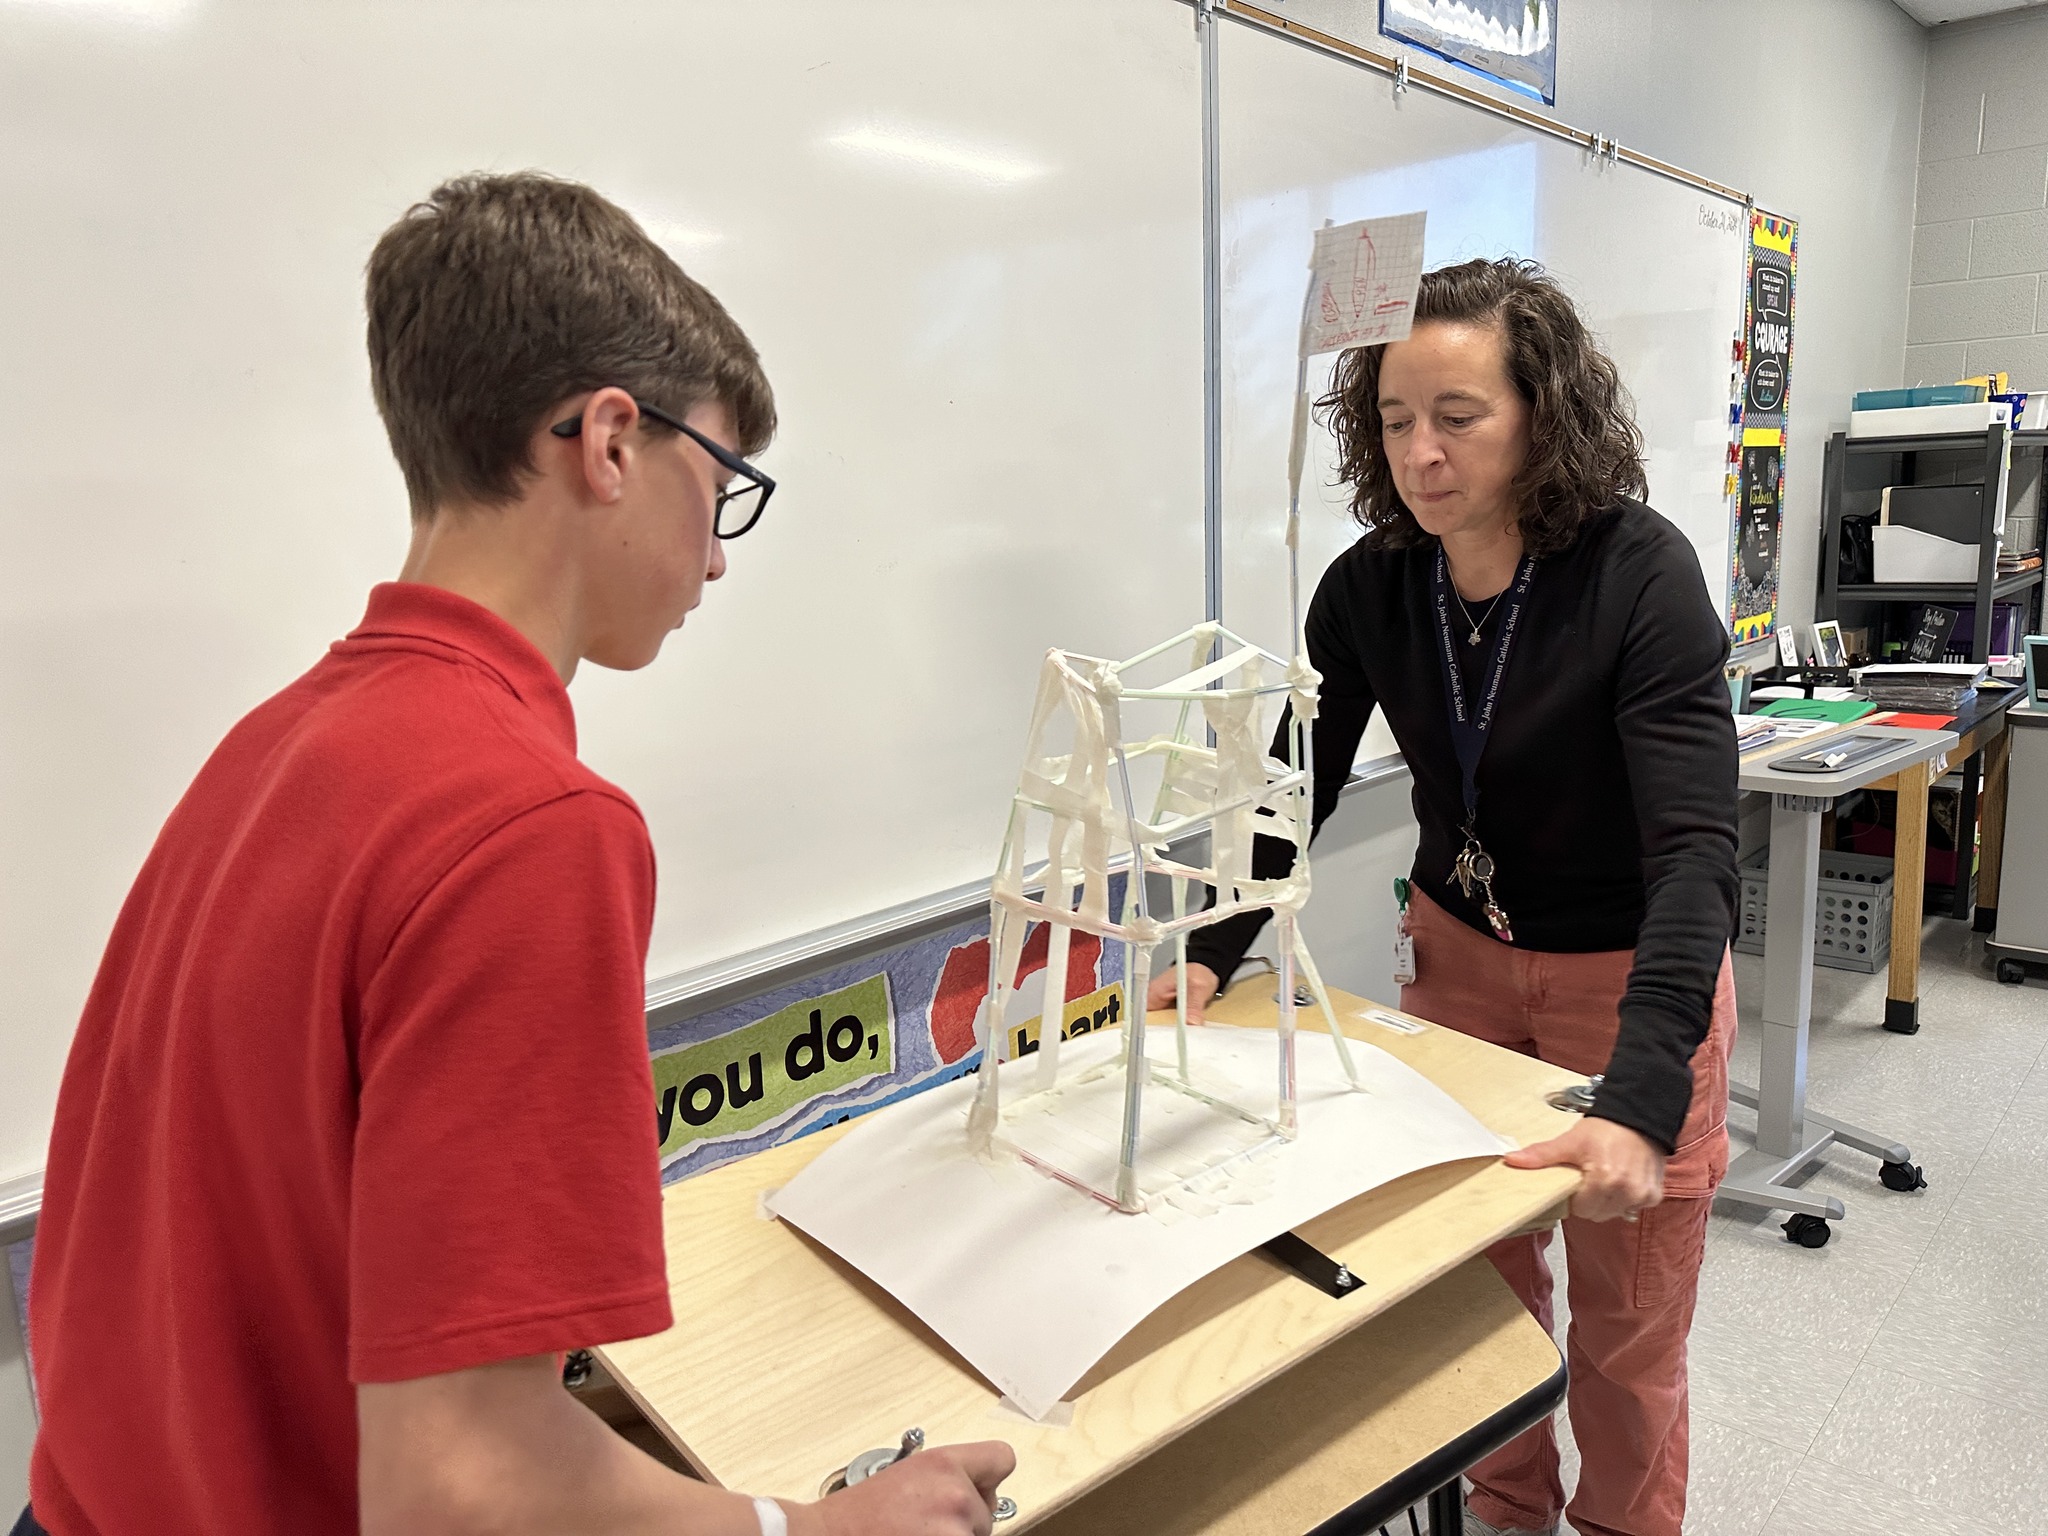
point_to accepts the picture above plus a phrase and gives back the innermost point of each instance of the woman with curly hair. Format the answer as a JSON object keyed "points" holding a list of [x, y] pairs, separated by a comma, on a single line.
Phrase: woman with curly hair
{"points": [[1551, 665]]}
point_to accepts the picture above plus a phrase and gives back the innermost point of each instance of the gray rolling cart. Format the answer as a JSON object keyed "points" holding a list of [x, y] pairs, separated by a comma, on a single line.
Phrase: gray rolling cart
{"points": [[1789, 1138], [2022, 934]]}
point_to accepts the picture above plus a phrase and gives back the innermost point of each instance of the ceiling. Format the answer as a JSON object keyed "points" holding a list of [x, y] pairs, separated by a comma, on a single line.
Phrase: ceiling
{"points": [[1933, 12]]}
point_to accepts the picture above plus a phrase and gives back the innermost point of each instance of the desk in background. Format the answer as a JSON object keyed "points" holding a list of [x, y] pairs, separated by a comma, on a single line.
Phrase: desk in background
{"points": [[784, 1363], [1984, 746], [2022, 921], [1789, 1138]]}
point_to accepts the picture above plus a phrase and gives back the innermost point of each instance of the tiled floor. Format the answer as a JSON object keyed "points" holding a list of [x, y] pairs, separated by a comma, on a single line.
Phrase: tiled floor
{"points": [[1895, 1381]]}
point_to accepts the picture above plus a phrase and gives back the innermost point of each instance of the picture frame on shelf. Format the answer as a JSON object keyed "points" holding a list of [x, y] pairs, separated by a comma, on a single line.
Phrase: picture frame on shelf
{"points": [[1828, 649]]}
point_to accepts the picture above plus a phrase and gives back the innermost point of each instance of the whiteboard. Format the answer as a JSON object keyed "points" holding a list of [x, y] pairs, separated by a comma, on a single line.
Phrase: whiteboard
{"points": [[965, 238], [1655, 267]]}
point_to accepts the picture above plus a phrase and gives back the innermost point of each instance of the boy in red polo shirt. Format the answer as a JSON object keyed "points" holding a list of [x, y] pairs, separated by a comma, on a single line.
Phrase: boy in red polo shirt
{"points": [[357, 1132]]}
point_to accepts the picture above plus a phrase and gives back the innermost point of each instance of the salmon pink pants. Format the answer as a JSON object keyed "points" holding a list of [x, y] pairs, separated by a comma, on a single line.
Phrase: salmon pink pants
{"points": [[1631, 1284]]}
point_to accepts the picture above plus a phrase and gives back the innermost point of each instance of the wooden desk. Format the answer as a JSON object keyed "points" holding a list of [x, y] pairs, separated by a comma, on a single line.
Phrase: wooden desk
{"points": [[1382, 1419], [784, 1363], [1982, 731]]}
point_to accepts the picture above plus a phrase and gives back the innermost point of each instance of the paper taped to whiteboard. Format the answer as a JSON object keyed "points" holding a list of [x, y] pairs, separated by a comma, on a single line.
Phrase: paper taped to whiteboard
{"points": [[1034, 1281], [1366, 275]]}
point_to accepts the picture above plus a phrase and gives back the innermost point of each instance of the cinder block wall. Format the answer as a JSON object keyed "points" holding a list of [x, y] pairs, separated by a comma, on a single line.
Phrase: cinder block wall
{"points": [[1979, 295]]}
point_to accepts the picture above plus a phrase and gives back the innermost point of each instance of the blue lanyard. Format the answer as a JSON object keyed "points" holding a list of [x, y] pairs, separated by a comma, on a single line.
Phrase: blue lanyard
{"points": [[1471, 718]]}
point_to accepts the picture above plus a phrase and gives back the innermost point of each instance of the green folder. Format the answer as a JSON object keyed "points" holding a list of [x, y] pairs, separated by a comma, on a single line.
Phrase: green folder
{"points": [[1840, 711]]}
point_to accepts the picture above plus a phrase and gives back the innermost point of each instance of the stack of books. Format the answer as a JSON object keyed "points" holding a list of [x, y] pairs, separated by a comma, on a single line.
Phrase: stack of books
{"points": [[1934, 687], [2012, 561], [1754, 731]]}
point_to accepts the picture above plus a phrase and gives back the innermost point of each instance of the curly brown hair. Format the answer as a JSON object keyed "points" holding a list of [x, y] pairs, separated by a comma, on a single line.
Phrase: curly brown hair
{"points": [[1585, 451]]}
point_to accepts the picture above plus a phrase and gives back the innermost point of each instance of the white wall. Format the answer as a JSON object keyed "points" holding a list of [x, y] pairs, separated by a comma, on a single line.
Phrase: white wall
{"points": [[967, 472], [1665, 77], [1814, 109], [1673, 78], [1980, 245]]}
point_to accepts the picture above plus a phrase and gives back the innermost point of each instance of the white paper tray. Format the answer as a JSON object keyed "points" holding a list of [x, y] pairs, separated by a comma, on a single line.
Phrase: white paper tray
{"points": [[1906, 554]]}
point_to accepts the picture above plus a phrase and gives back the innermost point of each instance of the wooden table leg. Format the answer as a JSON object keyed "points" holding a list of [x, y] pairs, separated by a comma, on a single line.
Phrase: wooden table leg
{"points": [[1909, 890], [1997, 760]]}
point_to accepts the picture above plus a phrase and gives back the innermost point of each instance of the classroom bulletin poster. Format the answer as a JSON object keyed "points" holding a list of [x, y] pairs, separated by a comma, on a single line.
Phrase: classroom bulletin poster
{"points": [[1763, 377], [821, 1050]]}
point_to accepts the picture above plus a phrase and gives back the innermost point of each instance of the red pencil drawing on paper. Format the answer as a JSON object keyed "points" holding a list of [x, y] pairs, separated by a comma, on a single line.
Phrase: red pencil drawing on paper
{"points": [[1364, 278]]}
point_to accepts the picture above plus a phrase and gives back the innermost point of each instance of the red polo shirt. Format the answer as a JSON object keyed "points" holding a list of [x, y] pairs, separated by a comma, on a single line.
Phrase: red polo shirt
{"points": [[361, 1092]]}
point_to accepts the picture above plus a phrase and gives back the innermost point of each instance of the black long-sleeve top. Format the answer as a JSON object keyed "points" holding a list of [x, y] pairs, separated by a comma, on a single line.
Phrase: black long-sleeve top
{"points": [[1606, 789]]}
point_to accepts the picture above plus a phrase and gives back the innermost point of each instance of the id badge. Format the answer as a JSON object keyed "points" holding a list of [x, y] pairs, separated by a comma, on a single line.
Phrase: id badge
{"points": [[1404, 941]]}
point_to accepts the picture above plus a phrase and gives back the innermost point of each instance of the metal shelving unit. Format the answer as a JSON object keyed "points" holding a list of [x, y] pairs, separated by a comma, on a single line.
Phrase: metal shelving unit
{"points": [[1935, 591], [1858, 468], [1853, 475]]}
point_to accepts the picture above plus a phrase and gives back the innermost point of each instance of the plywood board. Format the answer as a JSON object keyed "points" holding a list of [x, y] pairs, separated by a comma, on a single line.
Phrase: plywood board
{"points": [[1032, 1279], [1340, 1425], [784, 1362]]}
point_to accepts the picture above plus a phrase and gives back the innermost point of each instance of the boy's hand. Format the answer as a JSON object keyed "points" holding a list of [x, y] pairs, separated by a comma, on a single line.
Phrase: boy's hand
{"points": [[1202, 989], [503, 1448], [949, 1490]]}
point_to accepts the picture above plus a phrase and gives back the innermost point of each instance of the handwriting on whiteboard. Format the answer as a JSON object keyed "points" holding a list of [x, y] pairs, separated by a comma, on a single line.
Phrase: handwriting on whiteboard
{"points": [[1365, 277]]}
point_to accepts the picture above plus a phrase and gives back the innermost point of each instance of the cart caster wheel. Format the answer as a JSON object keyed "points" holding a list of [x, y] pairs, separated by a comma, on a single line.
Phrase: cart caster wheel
{"points": [[2012, 972], [1904, 1177], [1808, 1231]]}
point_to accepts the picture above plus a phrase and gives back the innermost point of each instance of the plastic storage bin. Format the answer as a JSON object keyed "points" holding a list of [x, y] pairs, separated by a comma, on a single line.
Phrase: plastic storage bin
{"points": [[1919, 394], [1908, 555], [1852, 910], [1925, 420]]}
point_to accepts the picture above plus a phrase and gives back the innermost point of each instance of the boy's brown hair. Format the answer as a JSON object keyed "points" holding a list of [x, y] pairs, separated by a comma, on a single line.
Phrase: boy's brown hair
{"points": [[500, 296]]}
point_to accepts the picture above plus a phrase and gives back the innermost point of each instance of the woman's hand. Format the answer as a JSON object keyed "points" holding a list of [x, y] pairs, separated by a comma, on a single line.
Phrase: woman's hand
{"points": [[1624, 1169], [1202, 989]]}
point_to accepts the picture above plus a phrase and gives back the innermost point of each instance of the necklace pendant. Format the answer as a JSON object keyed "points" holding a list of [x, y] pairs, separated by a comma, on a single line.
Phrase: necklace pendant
{"points": [[1473, 638]]}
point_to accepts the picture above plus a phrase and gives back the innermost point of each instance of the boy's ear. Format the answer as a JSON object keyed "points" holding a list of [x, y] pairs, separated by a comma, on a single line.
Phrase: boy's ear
{"points": [[605, 445]]}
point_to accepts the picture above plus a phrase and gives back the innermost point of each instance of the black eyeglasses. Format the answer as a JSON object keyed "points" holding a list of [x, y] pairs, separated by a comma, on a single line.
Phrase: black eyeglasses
{"points": [[740, 504]]}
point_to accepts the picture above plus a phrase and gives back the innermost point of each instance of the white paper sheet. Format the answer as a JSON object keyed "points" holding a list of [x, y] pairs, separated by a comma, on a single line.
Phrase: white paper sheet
{"points": [[1033, 1281], [1366, 275]]}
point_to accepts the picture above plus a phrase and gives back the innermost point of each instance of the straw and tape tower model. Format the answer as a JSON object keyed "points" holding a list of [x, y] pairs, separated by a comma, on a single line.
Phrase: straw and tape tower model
{"points": [[1086, 801], [1207, 772]]}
